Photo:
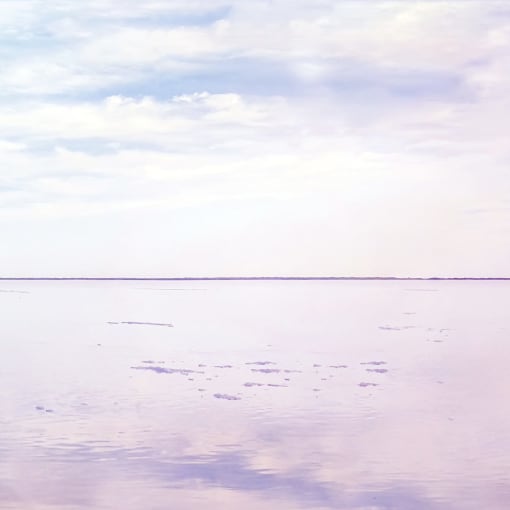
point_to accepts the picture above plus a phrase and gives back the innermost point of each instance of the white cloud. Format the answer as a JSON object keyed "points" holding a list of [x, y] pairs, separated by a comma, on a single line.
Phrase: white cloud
{"points": [[87, 49], [183, 119], [387, 114], [273, 147]]}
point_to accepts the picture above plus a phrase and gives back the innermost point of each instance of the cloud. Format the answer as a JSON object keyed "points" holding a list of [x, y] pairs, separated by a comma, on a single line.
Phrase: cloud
{"points": [[160, 106], [83, 48]]}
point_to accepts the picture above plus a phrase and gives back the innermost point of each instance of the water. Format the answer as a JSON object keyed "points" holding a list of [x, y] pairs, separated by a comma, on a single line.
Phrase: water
{"points": [[255, 395]]}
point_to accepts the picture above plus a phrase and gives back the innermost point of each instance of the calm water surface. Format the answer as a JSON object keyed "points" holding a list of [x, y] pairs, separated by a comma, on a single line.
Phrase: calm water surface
{"points": [[255, 395]]}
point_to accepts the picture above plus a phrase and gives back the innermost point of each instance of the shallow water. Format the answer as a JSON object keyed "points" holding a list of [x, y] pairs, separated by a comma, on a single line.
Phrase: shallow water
{"points": [[319, 394]]}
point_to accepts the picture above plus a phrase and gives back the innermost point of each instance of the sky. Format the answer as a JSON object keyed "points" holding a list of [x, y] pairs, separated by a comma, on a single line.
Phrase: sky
{"points": [[267, 137]]}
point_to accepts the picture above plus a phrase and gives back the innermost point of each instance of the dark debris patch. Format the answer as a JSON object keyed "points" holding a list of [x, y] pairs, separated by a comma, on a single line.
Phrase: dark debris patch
{"points": [[367, 384], [136, 323], [44, 409], [266, 370], [164, 370], [225, 396], [377, 370]]}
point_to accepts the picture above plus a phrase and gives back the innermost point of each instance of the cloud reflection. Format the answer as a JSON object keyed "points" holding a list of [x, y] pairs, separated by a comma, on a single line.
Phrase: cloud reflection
{"points": [[230, 472]]}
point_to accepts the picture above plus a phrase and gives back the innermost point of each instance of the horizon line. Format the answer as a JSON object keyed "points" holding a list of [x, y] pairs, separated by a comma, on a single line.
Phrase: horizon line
{"points": [[243, 278]]}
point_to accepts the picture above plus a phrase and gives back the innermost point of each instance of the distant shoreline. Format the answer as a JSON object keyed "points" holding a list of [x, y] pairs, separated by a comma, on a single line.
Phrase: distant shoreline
{"points": [[257, 278]]}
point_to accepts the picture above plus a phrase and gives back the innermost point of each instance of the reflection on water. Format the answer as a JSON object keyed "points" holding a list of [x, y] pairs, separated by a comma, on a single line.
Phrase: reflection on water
{"points": [[323, 395], [134, 323]]}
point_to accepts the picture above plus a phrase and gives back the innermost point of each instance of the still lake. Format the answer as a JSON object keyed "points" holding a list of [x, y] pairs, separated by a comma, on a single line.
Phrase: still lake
{"points": [[359, 395]]}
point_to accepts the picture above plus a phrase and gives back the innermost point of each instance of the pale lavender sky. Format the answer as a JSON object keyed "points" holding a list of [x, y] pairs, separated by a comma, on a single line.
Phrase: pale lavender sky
{"points": [[240, 137]]}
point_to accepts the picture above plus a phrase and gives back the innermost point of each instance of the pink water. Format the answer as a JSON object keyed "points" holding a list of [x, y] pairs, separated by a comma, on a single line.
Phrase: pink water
{"points": [[255, 395]]}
